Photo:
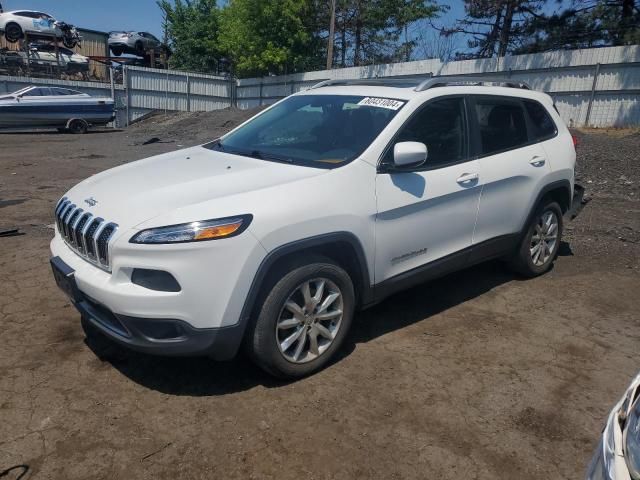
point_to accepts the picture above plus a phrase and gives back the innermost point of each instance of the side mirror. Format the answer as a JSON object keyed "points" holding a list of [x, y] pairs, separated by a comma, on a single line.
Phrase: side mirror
{"points": [[409, 154]]}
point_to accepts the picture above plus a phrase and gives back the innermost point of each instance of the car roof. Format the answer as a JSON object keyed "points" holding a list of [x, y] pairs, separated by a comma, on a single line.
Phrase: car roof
{"points": [[421, 87], [28, 11]]}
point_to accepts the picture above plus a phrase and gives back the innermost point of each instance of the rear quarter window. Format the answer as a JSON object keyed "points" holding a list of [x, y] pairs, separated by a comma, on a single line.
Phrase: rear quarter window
{"points": [[501, 124], [542, 124]]}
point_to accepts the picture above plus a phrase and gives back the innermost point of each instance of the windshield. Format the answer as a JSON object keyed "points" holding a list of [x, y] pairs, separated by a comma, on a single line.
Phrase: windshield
{"points": [[322, 131]]}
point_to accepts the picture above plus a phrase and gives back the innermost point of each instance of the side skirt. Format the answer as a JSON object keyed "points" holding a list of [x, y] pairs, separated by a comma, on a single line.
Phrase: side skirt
{"points": [[487, 250]]}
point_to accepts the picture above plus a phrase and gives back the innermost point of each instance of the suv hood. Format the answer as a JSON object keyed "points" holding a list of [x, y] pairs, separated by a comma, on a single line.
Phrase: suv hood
{"points": [[140, 191]]}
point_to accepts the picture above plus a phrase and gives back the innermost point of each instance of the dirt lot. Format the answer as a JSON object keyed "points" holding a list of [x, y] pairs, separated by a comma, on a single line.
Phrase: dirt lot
{"points": [[479, 375]]}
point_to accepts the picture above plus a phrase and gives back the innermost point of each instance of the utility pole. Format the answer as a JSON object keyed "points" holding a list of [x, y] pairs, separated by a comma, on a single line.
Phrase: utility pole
{"points": [[332, 27]]}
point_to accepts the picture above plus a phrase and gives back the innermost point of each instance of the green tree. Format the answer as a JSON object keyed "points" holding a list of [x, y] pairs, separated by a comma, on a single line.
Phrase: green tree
{"points": [[495, 27], [192, 30], [586, 23], [274, 37], [377, 31]]}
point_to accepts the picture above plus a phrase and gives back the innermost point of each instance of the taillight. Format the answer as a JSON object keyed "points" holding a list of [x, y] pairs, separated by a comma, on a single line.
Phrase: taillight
{"points": [[575, 141]]}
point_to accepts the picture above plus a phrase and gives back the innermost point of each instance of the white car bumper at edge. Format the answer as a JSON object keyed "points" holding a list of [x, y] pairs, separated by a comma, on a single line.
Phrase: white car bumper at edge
{"points": [[608, 462]]}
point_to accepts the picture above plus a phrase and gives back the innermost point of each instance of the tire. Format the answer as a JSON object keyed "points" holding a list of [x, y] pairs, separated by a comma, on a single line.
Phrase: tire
{"points": [[139, 47], [116, 51], [528, 261], [268, 339], [78, 126], [13, 32]]}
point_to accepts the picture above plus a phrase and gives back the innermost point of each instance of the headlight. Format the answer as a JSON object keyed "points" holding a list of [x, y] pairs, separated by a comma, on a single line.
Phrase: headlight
{"points": [[194, 231], [632, 441]]}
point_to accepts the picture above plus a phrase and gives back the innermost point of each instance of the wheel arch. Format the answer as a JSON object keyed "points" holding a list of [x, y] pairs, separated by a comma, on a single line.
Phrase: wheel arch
{"points": [[558, 191], [342, 247]]}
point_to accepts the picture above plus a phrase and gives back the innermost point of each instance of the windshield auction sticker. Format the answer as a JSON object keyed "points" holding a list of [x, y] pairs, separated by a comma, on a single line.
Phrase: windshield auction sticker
{"points": [[381, 103]]}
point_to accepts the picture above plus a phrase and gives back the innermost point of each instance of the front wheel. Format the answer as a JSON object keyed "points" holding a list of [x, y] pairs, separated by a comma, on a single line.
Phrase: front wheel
{"points": [[13, 32], [303, 321], [539, 247]]}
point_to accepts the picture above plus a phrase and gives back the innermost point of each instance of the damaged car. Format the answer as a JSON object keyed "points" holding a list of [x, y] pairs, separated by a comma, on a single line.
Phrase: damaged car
{"points": [[16, 24]]}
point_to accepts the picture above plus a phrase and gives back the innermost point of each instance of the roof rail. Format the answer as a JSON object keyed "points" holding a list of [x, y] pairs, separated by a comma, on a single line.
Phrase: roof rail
{"points": [[376, 81], [449, 81]]}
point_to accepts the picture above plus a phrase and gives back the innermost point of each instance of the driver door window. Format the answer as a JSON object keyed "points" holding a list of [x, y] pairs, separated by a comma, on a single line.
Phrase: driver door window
{"points": [[440, 125]]}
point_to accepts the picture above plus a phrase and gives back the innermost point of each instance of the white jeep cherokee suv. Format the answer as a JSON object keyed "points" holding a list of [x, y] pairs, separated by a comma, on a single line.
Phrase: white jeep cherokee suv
{"points": [[332, 199]]}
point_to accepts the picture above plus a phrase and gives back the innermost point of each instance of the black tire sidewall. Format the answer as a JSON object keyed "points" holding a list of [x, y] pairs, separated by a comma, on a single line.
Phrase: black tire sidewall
{"points": [[525, 261], [77, 127], [18, 29], [263, 344]]}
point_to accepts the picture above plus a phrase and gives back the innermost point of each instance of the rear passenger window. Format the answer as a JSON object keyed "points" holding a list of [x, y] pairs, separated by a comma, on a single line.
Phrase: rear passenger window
{"points": [[440, 126], [543, 126], [501, 125]]}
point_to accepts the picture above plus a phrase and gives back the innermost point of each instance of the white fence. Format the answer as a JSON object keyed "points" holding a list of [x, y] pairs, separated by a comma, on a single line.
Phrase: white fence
{"points": [[144, 90], [597, 87], [149, 89]]}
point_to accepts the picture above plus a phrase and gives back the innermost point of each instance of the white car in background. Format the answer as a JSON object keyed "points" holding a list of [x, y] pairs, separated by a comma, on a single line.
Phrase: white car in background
{"points": [[16, 23], [617, 456], [135, 43]]}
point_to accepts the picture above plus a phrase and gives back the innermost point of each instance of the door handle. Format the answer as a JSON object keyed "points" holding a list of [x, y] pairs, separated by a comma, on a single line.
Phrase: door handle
{"points": [[467, 178], [537, 161]]}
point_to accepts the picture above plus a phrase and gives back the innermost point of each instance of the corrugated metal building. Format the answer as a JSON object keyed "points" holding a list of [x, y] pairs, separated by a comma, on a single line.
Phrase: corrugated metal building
{"points": [[94, 43]]}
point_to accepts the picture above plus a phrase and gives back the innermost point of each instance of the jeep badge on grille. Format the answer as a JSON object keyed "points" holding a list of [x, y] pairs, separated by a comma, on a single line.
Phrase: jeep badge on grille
{"points": [[90, 201]]}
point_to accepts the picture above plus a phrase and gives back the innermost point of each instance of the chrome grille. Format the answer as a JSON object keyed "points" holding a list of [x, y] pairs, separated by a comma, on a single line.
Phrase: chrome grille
{"points": [[87, 235]]}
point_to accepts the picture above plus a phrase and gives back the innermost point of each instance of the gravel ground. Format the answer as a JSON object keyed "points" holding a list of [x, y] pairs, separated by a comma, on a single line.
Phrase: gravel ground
{"points": [[479, 375]]}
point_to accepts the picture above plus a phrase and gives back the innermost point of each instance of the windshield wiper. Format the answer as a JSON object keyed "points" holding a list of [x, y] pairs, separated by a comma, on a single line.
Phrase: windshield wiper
{"points": [[260, 155], [268, 156]]}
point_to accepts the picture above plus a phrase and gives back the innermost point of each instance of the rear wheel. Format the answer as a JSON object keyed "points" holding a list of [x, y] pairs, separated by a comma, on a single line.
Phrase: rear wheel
{"points": [[539, 247], [78, 126], [303, 320], [13, 32], [139, 47]]}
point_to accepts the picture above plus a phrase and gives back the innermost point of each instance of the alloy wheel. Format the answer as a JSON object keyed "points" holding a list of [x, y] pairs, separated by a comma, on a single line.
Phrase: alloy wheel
{"points": [[309, 320], [544, 238]]}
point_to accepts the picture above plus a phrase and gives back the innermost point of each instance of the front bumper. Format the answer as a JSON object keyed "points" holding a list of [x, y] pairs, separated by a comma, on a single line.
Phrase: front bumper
{"points": [[158, 336], [205, 313]]}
